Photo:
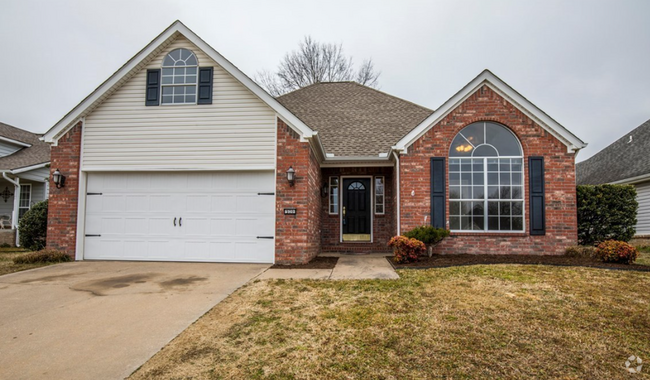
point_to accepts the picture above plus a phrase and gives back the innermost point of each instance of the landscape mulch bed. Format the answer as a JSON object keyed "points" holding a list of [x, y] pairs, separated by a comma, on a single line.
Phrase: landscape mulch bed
{"points": [[316, 263], [441, 261]]}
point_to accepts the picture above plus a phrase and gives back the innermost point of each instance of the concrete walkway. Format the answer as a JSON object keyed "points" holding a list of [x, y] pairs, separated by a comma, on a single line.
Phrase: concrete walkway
{"points": [[349, 267], [102, 320]]}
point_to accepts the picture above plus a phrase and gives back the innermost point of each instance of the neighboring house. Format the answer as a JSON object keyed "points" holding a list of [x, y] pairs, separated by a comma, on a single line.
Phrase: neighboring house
{"points": [[24, 163], [625, 161], [180, 156]]}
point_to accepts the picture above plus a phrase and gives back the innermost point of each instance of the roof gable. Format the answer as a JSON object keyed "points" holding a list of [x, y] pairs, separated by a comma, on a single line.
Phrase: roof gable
{"points": [[572, 142], [142, 58], [624, 160]]}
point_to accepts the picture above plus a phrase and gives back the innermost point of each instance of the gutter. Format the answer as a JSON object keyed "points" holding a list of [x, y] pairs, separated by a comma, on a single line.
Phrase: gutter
{"points": [[14, 213]]}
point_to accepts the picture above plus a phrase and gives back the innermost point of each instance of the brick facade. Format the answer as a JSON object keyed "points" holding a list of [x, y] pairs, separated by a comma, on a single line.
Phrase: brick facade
{"points": [[297, 238], [62, 205], [487, 105], [383, 225]]}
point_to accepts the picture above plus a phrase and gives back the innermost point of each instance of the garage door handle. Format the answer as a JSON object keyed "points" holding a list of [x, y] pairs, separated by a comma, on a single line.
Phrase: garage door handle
{"points": [[180, 222], [174, 222], [91, 235], [265, 193], [265, 237]]}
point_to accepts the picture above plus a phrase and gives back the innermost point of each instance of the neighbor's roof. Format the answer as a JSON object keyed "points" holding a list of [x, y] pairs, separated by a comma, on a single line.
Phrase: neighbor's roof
{"points": [[34, 151], [353, 120], [624, 159]]}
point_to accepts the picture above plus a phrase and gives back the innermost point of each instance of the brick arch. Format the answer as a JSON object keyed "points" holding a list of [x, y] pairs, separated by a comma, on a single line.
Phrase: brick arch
{"points": [[514, 132]]}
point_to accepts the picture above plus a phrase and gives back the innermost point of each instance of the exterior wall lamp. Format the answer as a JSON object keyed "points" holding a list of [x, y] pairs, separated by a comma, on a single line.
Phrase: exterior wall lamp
{"points": [[58, 179], [291, 176]]}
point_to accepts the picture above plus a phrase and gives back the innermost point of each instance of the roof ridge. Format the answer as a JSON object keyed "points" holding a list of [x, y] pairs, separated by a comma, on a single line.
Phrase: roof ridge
{"points": [[362, 86], [393, 96]]}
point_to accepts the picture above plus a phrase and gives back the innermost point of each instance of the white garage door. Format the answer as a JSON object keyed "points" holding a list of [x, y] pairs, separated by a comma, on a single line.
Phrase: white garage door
{"points": [[216, 216]]}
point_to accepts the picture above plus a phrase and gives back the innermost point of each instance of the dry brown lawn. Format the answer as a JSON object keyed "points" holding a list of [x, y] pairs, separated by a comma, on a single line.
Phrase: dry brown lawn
{"points": [[6, 261], [474, 322]]}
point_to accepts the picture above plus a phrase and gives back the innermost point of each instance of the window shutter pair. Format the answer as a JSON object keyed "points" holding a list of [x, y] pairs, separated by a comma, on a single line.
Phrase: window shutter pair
{"points": [[204, 83], [537, 202]]}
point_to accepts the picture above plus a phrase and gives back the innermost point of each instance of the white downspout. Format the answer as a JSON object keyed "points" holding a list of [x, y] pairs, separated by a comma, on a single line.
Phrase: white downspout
{"points": [[398, 192], [14, 214]]}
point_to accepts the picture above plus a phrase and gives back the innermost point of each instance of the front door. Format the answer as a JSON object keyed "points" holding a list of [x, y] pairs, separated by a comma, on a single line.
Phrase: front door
{"points": [[356, 209]]}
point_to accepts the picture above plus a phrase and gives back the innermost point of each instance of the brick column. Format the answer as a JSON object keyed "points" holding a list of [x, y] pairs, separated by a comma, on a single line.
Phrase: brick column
{"points": [[297, 238], [63, 202]]}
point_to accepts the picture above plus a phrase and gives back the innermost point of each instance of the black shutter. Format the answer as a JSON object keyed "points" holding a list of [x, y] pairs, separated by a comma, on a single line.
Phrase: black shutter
{"points": [[153, 87], [438, 192], [537, 203], [205, 85]]}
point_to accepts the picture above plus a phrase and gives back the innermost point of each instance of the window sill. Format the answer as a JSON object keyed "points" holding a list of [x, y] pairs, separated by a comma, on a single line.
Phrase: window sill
{"points": [[490, 234]]}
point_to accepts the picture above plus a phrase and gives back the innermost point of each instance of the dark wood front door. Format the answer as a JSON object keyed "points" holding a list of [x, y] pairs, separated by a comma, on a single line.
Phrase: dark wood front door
{"points": [[356, 209]]}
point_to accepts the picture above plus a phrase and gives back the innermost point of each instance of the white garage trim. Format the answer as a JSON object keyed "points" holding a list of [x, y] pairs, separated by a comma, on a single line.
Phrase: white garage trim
{"points": [[226, 216]]}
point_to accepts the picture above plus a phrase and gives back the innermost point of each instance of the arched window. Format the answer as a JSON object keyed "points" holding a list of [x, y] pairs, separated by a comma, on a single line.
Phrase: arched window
{"points": [[179, 77], [486, 179], [356, 186]]}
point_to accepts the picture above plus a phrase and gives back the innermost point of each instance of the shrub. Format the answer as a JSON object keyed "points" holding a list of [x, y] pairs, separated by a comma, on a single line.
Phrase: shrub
{"points": [[406, 250], [32, 227], [606, 212], [43, 256], [613, 251], [5, 245], [580, 251], [429, 235]]}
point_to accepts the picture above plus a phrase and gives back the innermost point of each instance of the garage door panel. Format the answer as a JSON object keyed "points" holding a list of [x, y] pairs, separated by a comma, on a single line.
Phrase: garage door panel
{"points": [[197, 203], [223, 204], [137, 202], [222, 216], [196, 227], [135, 226], [222, 227], [252, 251]]}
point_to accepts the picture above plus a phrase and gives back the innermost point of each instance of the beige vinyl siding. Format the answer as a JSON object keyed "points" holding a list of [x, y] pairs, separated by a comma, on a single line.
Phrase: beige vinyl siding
{"points": [[237, 131], [643, 214]]}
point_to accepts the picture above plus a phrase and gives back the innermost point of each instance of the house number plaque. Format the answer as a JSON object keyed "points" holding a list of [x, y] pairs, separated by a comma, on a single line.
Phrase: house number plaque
{"points": [[290, 211]]}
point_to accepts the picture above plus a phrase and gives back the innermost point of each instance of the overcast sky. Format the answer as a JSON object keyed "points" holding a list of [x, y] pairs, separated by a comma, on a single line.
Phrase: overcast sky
{"points": [[585, 63]]}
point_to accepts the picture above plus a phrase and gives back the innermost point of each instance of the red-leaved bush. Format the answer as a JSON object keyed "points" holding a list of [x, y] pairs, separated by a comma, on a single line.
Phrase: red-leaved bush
{"points": [[406, 250], [614, 251]]}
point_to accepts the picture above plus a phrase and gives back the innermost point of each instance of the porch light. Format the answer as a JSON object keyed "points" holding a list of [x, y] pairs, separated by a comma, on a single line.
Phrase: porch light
{"points": [[291, 175], [324, 190], [58, 179]]}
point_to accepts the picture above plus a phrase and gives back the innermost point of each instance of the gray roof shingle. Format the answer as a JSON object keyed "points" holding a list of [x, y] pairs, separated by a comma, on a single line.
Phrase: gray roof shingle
{"points": [[353, 120], [38, 153], [621, 160]]}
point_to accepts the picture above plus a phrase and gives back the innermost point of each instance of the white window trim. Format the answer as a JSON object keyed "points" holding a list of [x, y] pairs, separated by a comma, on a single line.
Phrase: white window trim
{"points": [[196, 84], [372, 214], [486, 200], [329, 196], [383, 194], [20, 198]]}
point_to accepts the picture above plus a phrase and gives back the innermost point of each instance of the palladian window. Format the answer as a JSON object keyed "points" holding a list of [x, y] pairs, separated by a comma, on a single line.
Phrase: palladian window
{"points": [[179, 77], [486, 180]]}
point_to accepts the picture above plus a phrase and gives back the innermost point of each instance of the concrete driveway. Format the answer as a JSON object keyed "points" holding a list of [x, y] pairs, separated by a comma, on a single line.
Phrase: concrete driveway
{"points": [[102, 320]]}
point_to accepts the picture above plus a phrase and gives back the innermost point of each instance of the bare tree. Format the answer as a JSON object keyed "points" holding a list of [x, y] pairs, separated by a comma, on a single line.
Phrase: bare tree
{"points": [[315, 62]]}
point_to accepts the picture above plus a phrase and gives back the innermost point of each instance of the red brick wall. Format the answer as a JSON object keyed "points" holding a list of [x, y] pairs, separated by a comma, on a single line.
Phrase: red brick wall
{"points": [[485, 104], [383, 225], [62, 205], [297, 238]]}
